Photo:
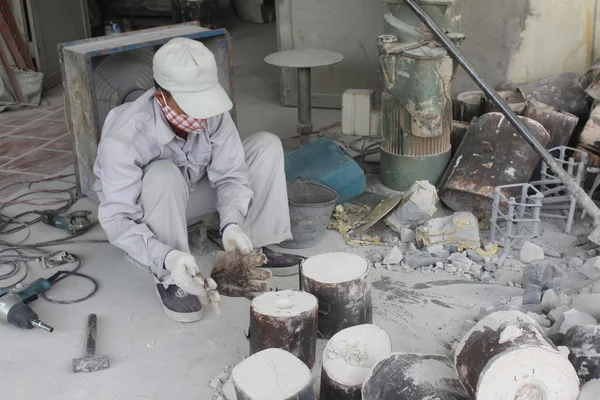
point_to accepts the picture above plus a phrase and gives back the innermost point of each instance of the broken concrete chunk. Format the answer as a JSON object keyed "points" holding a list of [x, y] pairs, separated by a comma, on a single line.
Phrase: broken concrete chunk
{"points": [[375, 257], [475, 269], [571, 283], [555, 314], [435, 249], [587, 303], [490, 267], [591, 268], [591, 253], [540, 319], [569, 319], [407, 235], [461, 229], [532, 274], [472, 254], [531, 252], [486, 277], [393, 257], [550, 300], [418, 205], [532, 294]]}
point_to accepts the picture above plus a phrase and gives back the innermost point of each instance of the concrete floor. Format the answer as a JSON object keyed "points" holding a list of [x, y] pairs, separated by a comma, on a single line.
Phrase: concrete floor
{"points": [[155, 358]]}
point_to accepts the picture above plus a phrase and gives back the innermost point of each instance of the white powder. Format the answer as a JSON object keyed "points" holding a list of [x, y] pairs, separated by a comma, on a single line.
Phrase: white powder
{"points": [[334, 267], [284, 303], [509, 334], [352, 352], [271, 374]]}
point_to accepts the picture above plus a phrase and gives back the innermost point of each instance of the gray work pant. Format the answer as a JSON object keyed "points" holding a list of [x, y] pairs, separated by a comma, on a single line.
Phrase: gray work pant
{"points": [[169, 207]]}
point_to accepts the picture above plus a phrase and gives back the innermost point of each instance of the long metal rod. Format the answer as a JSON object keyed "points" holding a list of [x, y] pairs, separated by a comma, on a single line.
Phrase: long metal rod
{"points": [[582, 197]]}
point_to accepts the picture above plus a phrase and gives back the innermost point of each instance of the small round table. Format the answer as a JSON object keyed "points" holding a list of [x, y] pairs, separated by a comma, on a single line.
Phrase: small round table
{"points": [[303, 60]]}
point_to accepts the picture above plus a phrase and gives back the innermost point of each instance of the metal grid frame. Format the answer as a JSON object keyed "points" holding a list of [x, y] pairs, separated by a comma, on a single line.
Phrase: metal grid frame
{"points": [[515, 217], [561, 203]]}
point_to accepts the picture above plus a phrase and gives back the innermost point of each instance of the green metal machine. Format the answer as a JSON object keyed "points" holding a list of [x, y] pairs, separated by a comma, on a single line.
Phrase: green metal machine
{"points": [[416, 105]]}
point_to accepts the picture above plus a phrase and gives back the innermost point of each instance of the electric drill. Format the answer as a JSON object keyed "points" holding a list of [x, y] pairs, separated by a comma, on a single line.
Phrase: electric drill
{"points": [[14, 311]]}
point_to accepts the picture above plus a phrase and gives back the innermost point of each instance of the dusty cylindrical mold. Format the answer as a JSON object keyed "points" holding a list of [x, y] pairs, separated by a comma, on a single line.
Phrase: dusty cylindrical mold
{"points": [[409, 376], [342, 284], [583, 342], [506, 356], [272, 374], [492, 154], [285, 320], [469, 105], [348, 358]]}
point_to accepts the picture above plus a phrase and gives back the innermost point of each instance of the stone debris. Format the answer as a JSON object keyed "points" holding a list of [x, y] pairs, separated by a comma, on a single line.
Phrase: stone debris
{"points": [[394, 257], [531, 252], [486, 277], [587, 303], [436, 249], [532, 295], [540, 319], [569, 319], [591, 268], [407, 235], [575, 263], [555, 314], [552, 300]]}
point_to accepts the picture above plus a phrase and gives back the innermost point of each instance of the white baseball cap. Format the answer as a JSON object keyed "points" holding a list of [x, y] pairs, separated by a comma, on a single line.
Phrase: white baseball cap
{"points": [[188, 70]]}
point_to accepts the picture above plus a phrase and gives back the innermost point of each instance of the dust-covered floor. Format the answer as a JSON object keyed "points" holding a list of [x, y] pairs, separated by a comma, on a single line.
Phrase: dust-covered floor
{"points": [[155, 358]]}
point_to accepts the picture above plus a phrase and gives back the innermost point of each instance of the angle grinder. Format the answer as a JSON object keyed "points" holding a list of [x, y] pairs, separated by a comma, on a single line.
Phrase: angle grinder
{"points": [[73, 223]]}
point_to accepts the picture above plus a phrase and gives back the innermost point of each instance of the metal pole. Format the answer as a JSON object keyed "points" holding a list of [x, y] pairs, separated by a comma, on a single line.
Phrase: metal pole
{"points": [[586, 202], [304, 105]]}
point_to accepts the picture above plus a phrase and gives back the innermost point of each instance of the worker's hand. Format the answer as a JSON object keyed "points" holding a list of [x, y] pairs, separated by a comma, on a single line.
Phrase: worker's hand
{"points": [[239, 275], [235, 239], [186, 275]]}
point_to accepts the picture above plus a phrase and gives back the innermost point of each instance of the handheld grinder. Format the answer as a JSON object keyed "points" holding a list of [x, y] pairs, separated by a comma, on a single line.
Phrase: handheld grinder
{"points": [[14, 311]]}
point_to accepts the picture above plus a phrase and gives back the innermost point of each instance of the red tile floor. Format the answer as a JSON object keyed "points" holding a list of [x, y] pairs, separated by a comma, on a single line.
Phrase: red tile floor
{"points": [[34, 143]]}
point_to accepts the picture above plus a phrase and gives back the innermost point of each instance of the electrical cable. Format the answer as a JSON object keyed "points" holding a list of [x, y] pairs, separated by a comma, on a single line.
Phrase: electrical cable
{"points": [[14, 224]]}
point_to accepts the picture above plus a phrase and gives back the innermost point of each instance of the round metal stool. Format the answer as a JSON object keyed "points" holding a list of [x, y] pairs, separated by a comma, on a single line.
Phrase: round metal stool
{"points": [[303, 60]]}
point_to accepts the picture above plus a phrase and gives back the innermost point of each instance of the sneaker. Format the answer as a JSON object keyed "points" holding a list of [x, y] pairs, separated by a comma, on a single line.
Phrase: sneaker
{"points": [[178, 304], [281, 264]]}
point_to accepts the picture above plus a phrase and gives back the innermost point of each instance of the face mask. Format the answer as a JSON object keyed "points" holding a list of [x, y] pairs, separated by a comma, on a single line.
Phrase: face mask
{"points": [[181, 121]]}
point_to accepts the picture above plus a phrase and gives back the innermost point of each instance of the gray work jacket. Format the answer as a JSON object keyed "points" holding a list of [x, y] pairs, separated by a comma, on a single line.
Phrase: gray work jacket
{"points": [[137, 133]]}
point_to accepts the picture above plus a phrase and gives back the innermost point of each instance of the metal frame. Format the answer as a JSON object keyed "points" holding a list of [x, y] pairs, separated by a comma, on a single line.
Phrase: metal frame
{"points": [[80, 100], [520, 217], [557, 199]]}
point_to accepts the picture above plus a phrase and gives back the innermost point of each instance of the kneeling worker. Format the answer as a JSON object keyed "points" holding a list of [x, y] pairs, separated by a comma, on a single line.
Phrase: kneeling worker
{"points": [[173, 155]]}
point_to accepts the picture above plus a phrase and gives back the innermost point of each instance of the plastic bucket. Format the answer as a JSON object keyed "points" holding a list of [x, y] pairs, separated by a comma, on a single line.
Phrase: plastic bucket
{"points": [[311, 205]]}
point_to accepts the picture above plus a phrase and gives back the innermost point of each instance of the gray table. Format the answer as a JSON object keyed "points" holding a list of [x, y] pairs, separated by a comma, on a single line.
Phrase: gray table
{"points": [[303, 60]]}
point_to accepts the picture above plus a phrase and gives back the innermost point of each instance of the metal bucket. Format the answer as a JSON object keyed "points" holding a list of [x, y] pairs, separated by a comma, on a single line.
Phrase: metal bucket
{"points": [[311, 205]]}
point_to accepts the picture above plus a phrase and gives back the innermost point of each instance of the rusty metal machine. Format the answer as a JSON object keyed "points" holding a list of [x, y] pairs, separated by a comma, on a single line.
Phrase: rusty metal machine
{"points": [[416, 106]]}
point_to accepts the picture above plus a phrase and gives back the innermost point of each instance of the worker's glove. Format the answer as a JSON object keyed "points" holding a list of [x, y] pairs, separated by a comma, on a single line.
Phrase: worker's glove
{"points": [[239, 275], [186, 275], [235, 239]]}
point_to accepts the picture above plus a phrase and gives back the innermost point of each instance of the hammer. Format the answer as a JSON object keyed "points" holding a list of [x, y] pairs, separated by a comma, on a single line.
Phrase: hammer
{"points": [[91, 362]]}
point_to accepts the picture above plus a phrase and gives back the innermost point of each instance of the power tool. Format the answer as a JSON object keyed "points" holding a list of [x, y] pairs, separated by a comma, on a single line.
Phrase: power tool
{"points": [[14, 311], [73, 223]]}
